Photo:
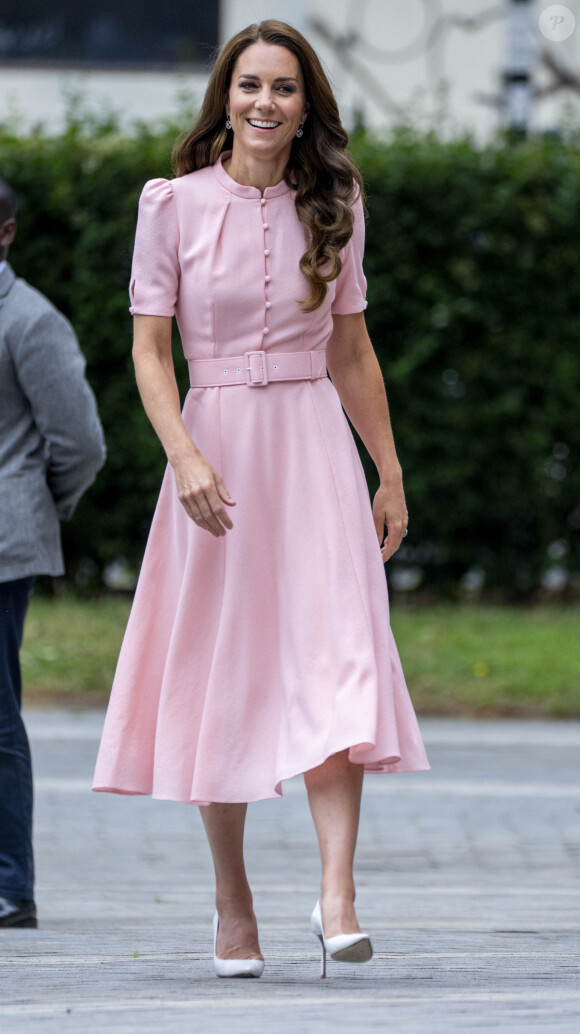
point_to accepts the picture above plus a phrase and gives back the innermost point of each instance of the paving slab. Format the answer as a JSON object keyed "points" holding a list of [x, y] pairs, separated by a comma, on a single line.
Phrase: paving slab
{"points": [[468, 882]]}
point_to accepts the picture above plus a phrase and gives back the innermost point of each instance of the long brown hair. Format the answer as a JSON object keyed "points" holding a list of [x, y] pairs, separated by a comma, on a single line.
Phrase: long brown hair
{"points": [[320, 168]]}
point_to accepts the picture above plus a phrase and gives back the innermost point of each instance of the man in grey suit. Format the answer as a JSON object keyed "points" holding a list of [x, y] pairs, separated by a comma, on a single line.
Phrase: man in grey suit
{"points": [[51, 447]]}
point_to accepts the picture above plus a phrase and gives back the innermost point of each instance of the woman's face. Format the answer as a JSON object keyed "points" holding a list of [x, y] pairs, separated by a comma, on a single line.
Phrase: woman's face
{"points": [[266, 101]]}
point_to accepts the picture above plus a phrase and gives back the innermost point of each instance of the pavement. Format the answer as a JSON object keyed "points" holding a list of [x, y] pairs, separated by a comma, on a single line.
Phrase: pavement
{"points": [[468, 882]]}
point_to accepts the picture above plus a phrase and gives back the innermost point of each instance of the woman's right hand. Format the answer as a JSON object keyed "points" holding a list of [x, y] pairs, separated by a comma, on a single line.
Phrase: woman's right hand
{"points": [[202, 493], [201, 490]]}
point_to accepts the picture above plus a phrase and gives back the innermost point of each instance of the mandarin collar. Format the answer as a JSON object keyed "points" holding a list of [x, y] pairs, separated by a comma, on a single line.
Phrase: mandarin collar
{"points": [[240, 189]]}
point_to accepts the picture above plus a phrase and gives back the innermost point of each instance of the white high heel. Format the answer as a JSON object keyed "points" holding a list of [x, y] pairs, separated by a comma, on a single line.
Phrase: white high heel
{"points": [[234, 967], [345, 947]]}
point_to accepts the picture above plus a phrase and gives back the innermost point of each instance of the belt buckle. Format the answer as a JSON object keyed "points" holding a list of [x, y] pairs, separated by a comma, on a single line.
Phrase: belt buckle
{"points": [[261, 370]]}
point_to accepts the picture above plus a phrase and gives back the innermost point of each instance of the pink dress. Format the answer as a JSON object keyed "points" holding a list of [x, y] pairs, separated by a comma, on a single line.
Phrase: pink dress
{"points": [[253, 657]]}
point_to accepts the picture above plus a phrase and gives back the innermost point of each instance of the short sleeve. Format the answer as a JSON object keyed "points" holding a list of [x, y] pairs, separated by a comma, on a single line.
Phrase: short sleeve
{"points": [[351, 284], [155, 270]]}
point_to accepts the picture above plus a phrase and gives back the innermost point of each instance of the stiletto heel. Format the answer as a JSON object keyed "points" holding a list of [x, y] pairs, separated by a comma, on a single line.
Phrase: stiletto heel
{"points": [[322, 959], [345, 947], [234, 967]]}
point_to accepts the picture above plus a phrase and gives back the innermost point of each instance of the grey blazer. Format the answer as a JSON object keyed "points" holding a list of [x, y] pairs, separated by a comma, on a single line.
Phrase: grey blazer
{"points": [[51, 439]]}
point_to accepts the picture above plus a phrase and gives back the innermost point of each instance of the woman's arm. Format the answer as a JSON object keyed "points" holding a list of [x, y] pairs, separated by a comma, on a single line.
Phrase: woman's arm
{"points": [[357, 377], [200, 488]]}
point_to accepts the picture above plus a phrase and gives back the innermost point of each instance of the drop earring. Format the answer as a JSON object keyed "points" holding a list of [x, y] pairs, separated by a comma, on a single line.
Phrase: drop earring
{"points": [[228, 123], [300, 130]]}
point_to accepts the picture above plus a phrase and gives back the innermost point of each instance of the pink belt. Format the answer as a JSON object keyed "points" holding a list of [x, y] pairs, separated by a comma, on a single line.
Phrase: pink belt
{"points": [[256, 369]]}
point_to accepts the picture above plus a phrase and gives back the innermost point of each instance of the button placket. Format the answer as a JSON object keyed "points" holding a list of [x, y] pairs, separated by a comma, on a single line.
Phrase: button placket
{"points": [[267, 278]]}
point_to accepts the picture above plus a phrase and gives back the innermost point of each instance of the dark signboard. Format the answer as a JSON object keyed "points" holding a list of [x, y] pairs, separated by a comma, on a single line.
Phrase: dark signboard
{"points": [[102, 33]]}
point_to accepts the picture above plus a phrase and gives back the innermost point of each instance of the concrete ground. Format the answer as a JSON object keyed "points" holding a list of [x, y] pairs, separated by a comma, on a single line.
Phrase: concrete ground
{"points": [[468, 882]]}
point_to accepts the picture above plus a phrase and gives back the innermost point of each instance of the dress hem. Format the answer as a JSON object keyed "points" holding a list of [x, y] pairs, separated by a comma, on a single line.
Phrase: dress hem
{"points": [[386, 766]]}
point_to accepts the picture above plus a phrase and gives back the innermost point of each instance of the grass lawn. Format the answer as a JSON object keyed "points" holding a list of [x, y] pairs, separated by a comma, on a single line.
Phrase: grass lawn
{"points": [[465, 660], [484, 660], [70, 649]]}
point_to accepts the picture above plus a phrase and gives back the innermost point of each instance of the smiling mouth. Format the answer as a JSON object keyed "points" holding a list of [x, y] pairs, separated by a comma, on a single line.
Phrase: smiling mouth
{"points": [[262, 124]]}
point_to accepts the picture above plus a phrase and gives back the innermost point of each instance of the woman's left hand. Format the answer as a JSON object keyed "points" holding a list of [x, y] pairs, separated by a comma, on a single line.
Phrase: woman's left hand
{"points": [[390, 510]]}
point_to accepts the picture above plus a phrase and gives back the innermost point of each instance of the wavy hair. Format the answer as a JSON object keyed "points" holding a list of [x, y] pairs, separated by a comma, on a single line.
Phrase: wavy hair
{"points": [[320, 168]]}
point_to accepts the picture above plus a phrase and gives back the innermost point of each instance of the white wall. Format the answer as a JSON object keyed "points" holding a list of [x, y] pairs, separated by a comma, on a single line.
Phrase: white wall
{"points": [[33, 96], [470, 62], [236, 14]]}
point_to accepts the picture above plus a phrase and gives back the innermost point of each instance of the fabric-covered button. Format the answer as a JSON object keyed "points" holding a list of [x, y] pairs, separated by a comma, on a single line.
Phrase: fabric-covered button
{"points": [[266, 252], [267, 279], [266, 226], [268, 305], [266, 330]]}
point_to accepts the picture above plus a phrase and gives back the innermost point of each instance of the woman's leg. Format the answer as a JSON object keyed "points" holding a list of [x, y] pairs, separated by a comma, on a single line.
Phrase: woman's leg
{"points": [[238, 930], [334, 793]]}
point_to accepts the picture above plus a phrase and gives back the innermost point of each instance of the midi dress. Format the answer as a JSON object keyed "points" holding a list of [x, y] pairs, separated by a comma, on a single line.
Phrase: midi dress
{"points": [[253, 657]]}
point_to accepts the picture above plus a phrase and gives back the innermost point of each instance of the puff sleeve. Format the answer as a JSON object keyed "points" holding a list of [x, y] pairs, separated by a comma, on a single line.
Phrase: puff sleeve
{"points": [[155, 270], [351, 284]]}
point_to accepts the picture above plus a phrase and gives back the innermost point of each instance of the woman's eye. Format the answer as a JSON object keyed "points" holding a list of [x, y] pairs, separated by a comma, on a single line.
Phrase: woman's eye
{"points": [[252, 86]]}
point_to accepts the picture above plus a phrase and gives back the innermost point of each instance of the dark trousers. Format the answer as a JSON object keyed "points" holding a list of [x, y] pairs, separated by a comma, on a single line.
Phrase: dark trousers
{"points": [[16, 859]]}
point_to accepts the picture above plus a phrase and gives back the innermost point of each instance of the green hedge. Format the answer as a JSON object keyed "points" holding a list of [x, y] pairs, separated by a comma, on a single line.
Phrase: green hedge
{"points": [[473, 263], [474, 272]]}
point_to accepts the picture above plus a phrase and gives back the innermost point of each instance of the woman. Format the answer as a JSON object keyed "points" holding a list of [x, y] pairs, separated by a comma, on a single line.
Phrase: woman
{"points": [[258, 646]]}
